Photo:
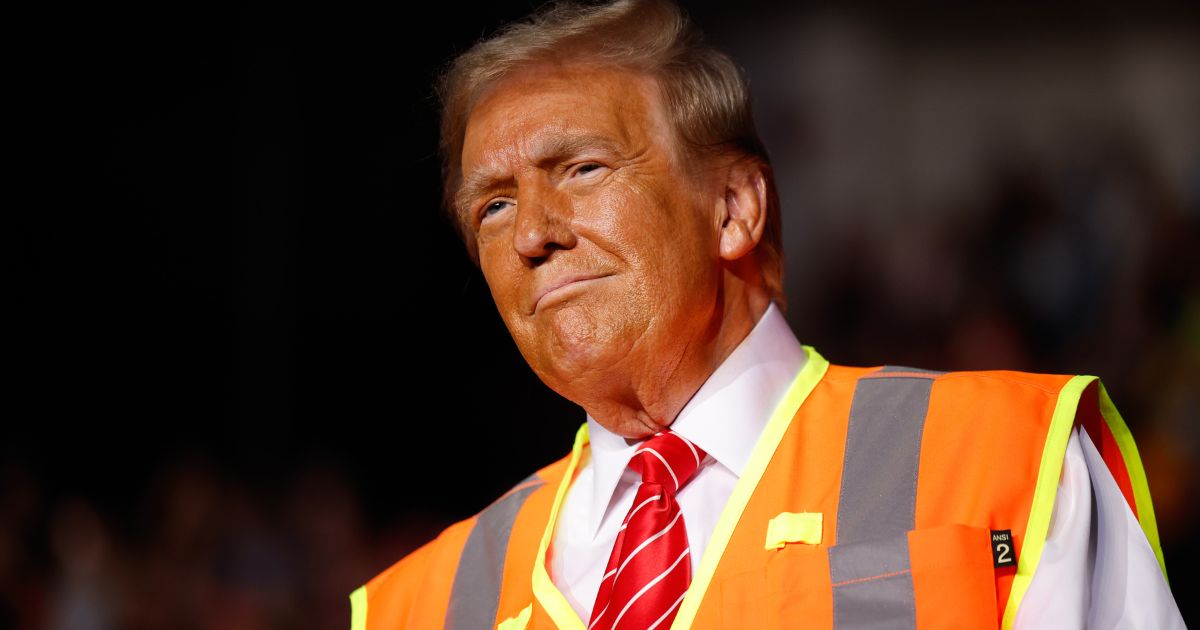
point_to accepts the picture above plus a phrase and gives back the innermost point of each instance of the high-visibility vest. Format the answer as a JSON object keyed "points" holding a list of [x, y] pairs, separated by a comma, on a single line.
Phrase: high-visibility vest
{"points": [[921, 498]]}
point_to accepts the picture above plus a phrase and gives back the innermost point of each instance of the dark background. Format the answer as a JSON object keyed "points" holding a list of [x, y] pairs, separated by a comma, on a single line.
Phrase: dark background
{"points": [[246, 342]]}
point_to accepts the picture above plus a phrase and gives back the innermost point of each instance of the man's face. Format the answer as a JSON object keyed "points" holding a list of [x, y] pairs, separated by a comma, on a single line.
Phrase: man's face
{"points": [[598, 240]]}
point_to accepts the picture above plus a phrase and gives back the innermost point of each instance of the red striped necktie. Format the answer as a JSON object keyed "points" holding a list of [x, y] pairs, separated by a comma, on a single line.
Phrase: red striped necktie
{"points": [[650, 568]]}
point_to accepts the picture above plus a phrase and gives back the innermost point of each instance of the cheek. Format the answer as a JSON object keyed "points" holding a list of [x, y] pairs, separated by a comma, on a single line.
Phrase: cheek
{"points": [[665, 244], [489, 243], [626, 223], [502, 283]]}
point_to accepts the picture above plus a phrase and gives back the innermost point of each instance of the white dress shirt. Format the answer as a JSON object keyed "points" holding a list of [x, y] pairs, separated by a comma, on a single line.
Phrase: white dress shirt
{"points": [[1101, 573]]}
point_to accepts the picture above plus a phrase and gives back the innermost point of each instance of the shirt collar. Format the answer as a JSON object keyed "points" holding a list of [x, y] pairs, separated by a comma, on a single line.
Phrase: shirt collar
{"points": [[724, 417]]}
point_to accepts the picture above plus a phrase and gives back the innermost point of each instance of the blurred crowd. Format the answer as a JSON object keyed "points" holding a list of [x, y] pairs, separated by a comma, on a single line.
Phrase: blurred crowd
{"points": [[200, 549]]}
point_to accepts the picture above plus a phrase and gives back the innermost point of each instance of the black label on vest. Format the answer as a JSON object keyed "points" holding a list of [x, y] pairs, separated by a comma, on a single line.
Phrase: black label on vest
{"points": [[1004, 553]]}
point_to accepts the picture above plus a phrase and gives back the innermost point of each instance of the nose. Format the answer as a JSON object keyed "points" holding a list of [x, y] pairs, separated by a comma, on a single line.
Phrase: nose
{"points": [[543, 224]]}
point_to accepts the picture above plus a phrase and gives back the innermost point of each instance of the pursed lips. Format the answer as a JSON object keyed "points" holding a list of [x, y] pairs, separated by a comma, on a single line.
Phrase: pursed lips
{"points": [[562, 283]]}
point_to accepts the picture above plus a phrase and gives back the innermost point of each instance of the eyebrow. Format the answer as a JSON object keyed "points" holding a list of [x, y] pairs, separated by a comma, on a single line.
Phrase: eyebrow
{"points": [[550, 150]]}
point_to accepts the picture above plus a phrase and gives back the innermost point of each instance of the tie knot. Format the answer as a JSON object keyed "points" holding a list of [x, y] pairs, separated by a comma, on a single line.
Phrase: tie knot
{"points": [[667, 459]]}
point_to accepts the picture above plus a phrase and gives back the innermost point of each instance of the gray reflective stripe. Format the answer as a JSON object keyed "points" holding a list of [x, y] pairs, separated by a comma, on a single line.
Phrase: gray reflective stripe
{"points": [[476, 591], [872, 585], [883, 447], [869, 567]]}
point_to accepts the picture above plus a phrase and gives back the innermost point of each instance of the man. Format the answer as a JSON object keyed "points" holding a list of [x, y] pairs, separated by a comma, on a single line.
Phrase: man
{"points": [[603, 169]]}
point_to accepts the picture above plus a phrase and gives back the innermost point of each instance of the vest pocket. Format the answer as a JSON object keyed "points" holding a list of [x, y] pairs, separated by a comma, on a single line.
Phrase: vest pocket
{"points": [[940, 577], [953, 577]]}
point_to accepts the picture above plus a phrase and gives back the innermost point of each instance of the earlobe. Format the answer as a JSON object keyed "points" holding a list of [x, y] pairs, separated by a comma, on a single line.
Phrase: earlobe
{"points": [[745, 209]]}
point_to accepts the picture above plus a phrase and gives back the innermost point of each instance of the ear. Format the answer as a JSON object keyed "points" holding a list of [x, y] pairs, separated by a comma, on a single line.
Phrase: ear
{"points": [[745, 211]]}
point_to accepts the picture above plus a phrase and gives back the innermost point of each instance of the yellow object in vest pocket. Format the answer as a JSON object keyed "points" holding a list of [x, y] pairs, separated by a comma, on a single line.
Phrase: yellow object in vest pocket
{"points": [[517, 623], [794, 527]]}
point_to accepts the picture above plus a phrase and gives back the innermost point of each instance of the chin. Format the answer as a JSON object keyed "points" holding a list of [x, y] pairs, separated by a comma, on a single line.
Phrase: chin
{"points": [[575, 345]]}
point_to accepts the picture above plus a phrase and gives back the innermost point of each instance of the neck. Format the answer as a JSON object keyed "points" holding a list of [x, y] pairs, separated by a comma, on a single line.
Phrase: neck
{"points": [[650, 402]]}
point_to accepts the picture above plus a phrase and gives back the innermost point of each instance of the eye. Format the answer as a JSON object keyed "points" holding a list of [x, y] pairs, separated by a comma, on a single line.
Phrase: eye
{"points": [[588, 168], [494, 207]]}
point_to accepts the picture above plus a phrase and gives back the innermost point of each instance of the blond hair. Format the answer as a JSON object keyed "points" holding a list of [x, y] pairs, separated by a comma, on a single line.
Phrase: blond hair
{"points": [[706, 95]]}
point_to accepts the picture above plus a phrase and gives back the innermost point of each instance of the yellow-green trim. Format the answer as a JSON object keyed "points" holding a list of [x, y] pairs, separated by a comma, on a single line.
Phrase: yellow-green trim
{"points": [[1137, 474], [547, 594], [1044, 492], [358, 609], [814, 369]]}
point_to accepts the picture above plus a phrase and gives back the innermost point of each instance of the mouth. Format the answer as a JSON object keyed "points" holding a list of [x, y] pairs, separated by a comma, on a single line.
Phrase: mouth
{"points": [[561, 286]]}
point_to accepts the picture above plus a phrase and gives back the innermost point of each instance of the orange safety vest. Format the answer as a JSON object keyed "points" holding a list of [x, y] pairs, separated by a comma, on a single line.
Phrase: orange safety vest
{"points": [[873, 494]]}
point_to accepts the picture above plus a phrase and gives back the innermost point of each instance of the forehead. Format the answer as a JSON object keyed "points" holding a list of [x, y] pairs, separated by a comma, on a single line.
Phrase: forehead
{"points": [[540, 106]]}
